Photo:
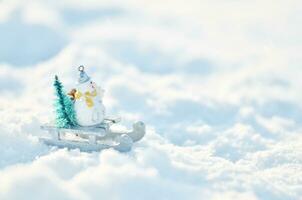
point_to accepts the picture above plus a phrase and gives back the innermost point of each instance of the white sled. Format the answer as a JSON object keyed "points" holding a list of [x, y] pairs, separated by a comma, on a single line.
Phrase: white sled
{"points": [[97, 138]]}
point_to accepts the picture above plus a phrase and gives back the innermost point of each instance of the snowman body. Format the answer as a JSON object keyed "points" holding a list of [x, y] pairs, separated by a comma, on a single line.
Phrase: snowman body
{"points": [[88, 104]]}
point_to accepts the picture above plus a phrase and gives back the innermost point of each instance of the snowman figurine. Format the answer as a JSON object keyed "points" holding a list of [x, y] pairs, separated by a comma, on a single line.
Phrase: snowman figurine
{"points": [[88, 103]]}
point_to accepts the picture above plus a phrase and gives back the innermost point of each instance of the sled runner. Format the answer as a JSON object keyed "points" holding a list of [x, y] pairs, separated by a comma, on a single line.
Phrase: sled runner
{"points": [[97, 138]]}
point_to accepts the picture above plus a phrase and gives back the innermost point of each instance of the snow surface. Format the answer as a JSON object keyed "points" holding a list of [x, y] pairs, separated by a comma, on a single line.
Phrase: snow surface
{"points": [[218, 84]]}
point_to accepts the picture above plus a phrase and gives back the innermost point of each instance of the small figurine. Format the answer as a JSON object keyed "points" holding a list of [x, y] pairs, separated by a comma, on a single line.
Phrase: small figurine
{"points": [[81, 122]]}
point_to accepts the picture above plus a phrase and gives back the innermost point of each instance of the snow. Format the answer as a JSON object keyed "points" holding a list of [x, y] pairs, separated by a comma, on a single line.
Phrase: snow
{"points": [[217, 83]]}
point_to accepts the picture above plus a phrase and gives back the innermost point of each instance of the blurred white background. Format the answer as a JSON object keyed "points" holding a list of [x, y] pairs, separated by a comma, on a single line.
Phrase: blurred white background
{"points": [[217, 82]]}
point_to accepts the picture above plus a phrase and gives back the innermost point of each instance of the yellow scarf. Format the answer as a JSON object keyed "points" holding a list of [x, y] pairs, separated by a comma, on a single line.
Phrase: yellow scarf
{"points": [[88, 97]]}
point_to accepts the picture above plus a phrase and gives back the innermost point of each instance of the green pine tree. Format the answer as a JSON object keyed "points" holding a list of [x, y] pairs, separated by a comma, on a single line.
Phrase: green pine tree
{"points": [[65, 114]]}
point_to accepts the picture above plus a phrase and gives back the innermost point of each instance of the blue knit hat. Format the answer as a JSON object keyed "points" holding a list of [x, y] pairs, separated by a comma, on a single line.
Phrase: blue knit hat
{"points": [[83, 76]]}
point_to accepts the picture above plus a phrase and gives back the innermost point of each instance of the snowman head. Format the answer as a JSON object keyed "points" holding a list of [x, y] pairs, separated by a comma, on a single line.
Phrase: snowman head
{"points": [[88, 86], [85, 84]]}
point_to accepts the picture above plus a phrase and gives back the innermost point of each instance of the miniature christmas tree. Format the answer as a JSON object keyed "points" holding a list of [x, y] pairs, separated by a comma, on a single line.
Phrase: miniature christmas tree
{"points": [[65, 114]]}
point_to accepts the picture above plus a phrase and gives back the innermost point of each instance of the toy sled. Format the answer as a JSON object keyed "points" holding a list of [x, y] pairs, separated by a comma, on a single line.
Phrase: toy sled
{"points": [[83, 111], [96, 138]]}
